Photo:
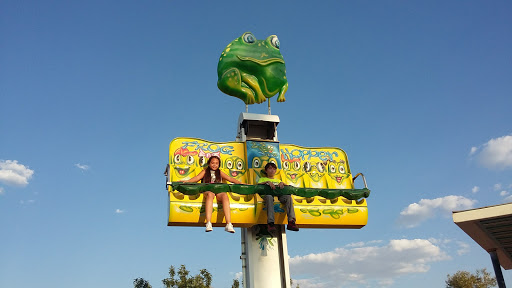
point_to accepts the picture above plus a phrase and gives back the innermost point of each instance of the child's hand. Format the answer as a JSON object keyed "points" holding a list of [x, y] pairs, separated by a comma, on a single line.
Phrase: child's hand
{"points": [[271, 185], [281, 185]]}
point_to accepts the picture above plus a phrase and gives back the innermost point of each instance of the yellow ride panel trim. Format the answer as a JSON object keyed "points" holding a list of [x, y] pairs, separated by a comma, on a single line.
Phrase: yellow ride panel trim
{"points": [[298, 166]]}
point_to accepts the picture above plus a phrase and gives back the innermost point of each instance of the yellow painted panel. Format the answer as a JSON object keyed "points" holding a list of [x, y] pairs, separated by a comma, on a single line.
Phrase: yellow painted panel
{"points": [[298, 166], [248, 210], [188, 157], [315, 167]]}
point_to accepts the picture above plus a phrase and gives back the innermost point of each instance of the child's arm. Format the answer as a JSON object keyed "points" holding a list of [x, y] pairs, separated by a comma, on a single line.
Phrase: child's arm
{"points": [[272, 185], [196, 178], [261, 182], [230, 179]]}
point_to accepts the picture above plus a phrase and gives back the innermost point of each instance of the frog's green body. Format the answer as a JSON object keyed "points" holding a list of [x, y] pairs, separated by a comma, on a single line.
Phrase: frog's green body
{"points": [[252, 70]]}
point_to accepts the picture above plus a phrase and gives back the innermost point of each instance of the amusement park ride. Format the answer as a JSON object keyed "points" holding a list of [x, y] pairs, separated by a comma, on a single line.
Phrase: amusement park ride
{"points": [[319, 180]]}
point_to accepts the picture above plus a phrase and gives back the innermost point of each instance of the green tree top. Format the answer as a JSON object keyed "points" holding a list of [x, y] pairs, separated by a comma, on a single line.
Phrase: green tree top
{"points": [[141, 283], [181, 279], [465, 279]]}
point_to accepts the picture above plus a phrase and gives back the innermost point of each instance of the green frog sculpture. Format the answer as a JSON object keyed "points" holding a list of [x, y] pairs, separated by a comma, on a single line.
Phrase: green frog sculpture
{"points": [[252, 70]]}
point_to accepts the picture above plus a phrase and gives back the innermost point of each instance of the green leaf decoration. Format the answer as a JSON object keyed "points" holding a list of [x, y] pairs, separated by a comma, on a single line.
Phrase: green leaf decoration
{"points": [[244, 189]]}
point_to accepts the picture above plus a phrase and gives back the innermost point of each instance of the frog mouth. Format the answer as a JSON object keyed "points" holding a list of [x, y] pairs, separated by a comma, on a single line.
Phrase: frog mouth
{"points": [[182, 171], [294, 177], [315, 176], [234, 173], [261, 62]]}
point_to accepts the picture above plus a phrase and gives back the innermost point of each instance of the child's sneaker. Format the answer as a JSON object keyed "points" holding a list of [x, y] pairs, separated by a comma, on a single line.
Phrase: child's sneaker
{"points": [[229, 228], [271, 227], [209, 227], [292, 226]]}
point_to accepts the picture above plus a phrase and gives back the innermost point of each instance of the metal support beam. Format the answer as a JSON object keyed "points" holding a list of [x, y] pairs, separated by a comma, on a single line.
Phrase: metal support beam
{"points": [[245, 260], [497, 269]]}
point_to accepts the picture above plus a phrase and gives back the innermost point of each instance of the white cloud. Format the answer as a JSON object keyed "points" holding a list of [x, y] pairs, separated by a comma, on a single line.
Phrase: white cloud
{"points": [[239, 275], [13, 173], [473, 150], [497, 186], [355, 244], [504, 193], [31, 201], [463, 248], [475, 189], [508, 199], [376, 266], [497, 153], [82, 166], [119, 211], [361, 243], [386, 283], [440, 241], [2, 191], [310, 283], [416, 213]]}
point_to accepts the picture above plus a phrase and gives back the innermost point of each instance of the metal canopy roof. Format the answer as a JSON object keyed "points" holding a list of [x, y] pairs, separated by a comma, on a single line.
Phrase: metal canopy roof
{"points": [[491, 228]]}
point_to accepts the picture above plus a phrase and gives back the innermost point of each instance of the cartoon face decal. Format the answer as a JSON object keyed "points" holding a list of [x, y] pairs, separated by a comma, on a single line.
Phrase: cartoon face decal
{"points": [[258, 163], [184, 162], [292, 169], [202, 161], [235, 165], [315, 170], [337, 171]]}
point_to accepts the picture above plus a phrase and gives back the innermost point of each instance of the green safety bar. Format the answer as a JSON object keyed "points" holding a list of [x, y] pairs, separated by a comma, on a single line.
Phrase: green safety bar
{"points": [[243, 189]]}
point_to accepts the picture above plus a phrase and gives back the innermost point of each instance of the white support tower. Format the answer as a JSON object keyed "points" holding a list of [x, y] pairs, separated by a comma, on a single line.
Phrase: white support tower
{"points": [[263, 265]]}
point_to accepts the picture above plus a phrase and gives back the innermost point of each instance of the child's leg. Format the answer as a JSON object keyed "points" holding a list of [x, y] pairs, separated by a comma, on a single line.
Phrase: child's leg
{"points": [[269, 202], [208, 205], [288, 205], [224, 199]]}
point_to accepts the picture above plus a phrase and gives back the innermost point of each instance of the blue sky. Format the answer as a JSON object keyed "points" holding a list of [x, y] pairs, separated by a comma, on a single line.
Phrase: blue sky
{"points": [[418, 93]]}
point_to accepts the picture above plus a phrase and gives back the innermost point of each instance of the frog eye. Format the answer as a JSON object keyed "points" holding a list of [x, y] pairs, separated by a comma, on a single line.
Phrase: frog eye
{"points": [[256, 163], [239, 165], [320, 167], [342, 169], [272, 161], [286, 165], [296, 165], [274, 41], [332, 169], [307, 166], [202, 161], [177, 158], [190, 160], [249, 38], [229, 164]]}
